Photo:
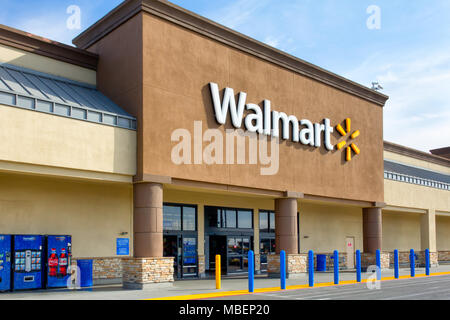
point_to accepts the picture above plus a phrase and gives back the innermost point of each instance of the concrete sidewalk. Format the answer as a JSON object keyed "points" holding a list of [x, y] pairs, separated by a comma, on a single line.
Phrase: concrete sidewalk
{"points": [[191, 287]]}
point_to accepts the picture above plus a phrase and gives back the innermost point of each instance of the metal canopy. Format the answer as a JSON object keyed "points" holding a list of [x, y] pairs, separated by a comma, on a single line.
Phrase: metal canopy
{"points": [[393, 167], [29, 89]]}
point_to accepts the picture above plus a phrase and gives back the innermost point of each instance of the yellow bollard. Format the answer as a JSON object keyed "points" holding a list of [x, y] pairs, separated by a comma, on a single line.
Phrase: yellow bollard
{"points": [[218, 269]]}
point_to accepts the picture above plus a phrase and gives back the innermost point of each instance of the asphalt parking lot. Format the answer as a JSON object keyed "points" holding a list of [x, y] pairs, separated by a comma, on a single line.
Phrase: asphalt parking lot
{"points": [[433, 288]]}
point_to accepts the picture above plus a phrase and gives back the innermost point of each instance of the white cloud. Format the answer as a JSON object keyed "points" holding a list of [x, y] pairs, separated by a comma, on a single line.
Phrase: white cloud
{"points": [[418, 112]]}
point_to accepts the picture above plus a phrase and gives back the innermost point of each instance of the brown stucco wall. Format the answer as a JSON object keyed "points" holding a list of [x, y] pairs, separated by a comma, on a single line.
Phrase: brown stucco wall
{"points": [[179, 64], [168, 89]]}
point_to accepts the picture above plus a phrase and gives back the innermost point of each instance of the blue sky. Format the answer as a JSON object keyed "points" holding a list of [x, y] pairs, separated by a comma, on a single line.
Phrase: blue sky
{"points": [[409, 55]]}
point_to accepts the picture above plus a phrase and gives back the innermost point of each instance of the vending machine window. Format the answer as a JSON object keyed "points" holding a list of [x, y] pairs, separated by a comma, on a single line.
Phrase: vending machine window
{"points": [[5, 262], [27, 262], [59, 259]]}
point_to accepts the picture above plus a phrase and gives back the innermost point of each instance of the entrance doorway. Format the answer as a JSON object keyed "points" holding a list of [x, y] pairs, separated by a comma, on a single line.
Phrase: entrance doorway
{"points": [[218, 246], [350, 245], [184, 250]]}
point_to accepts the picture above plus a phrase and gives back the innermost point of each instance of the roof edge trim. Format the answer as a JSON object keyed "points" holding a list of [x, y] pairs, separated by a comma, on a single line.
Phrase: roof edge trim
{"points": [[413, 153], [51, 49]]}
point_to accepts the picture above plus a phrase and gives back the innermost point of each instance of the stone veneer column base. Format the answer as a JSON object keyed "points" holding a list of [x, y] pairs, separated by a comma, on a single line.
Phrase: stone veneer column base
{"points": [[143, 273], [257, 264], [444, 257], [295, 266], [201, 267], [369, 259]]}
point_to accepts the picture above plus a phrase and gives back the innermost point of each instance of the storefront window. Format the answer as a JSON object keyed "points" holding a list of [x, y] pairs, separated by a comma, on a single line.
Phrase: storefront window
{"points": [[263, 220], [267, 221], [173, 215], [272, 222], [172, 218], [245, 219], [230, 219], [189, 219]]}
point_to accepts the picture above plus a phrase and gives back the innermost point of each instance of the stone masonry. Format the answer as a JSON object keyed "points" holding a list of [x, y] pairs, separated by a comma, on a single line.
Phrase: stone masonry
{"points": [[444, 256], [140, 272], [369, 259], [295, 265], [403, 258], [201, 266]]}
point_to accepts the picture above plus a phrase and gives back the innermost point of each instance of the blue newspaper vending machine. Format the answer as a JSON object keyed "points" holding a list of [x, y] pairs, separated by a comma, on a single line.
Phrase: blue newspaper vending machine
{"points": [[27, 262], [5, 263], [58, 257]]}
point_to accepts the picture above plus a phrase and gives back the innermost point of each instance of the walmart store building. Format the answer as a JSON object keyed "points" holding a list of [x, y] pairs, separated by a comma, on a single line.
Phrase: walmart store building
{"points": [[86, 149]]}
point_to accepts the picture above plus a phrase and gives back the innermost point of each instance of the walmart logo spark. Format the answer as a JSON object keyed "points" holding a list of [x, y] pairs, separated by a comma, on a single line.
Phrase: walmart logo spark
{"points": [[353, 147]]}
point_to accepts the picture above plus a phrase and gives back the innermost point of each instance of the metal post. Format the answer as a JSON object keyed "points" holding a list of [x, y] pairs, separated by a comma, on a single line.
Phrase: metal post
{"points": [[427, 262], [412, 261], [336, 267], [251, 272], [396, 265], [218, 271], [311, 268], [358, 266], [283, 269], [378, 264]]}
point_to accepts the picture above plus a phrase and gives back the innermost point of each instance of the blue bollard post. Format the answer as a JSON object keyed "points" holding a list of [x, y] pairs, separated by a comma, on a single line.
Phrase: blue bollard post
{"points": [[396, 265], [336, 267], [251, 272], [283, 269], [412, 261], [378, 256], [311, 268], [358, 266], [427, 262]]}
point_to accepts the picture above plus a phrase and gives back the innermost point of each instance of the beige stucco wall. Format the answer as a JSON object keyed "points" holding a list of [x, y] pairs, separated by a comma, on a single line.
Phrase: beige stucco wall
{"points": [[401, 231], [415, 162], [93, 213], [409, 195], [41, 139], [327, 227], [443, 233], [44, 64]]}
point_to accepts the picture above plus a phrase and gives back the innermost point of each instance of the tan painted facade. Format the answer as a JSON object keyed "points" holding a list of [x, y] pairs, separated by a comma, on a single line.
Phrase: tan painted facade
{"points": [[401, 231], [95, 214], [40, 63], [412, 210], [341, 222], [64, 146], [443, 232]]}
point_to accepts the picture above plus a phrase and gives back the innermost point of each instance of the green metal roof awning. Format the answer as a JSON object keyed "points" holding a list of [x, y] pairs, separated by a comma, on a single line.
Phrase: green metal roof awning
{"points": [[33, 90]]}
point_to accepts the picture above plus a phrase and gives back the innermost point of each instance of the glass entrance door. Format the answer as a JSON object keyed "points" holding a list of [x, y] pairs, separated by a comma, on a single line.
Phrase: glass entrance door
{"points": [[184, 250], [170, 249], [267, 247], [189, 257], [238, 248]]}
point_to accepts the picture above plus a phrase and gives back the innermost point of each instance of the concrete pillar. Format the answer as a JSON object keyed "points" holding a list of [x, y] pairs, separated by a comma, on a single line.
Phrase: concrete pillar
{"points": [[372, 229], [148, 220], [428, 231], [286, 225]]}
